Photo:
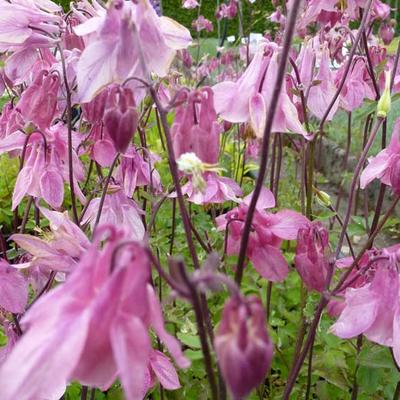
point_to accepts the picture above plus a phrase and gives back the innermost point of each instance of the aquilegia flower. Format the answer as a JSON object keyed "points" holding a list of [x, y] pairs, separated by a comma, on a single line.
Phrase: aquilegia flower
{"points": [[93, 328]]}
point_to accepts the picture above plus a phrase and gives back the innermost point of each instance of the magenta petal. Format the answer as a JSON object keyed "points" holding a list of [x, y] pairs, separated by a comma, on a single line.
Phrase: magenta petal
{"points": [[270, 263], [164, 370], [104, 152]]}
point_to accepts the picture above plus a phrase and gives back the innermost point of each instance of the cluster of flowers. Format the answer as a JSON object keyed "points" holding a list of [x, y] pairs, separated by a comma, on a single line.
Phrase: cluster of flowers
{"points": [[80, 85]]}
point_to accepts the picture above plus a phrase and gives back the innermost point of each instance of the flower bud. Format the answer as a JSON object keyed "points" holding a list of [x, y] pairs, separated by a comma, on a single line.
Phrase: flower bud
{"points": [[386, 32], [323, 198], [121, 118], [385, 101], [312, 252], [39, 101], [242, 344], [94, 111], [394, 175]]}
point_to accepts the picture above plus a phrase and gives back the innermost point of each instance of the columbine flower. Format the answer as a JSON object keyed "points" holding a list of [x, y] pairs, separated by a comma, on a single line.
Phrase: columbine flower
{"points": [[92, 329], [267, 234], [242, 344], [382, 165]]}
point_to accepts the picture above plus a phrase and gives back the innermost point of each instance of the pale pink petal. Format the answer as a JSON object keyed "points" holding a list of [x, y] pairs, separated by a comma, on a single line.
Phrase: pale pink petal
{"points": [[270, 263], [131, 347], [375, 169], [258, 114], [13, 289], [176, 36], [265, 200], [157, 321], [164, 370], [396, 335], [52, 188], [359, 313], [288, 224], [22, 184]]}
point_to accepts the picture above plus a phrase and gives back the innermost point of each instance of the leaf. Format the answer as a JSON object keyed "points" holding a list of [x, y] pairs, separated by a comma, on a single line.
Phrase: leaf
{"points": [[189, 340]]}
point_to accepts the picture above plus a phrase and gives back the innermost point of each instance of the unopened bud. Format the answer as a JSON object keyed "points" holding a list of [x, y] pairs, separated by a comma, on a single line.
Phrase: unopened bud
{"points": [[385, 101], [121, 118], [323, 198]]}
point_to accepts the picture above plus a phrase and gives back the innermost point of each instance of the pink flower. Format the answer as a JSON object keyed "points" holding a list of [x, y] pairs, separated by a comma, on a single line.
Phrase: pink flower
{"points": [[60, 249], [312, 252], [218, 190], [374, 309], [189, 4], [151, 40], [202, 23], [242, 344], [24, 24], [268, 232], [103, 313], [135, 171], [13, 288], [322, 92], [118, 210], [381, 166], [45, 168], [249, 98], [120, 117], [39, 101]]}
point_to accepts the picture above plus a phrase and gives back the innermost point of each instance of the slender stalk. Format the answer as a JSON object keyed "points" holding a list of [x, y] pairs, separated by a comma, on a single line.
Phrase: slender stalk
{"points": [[69, 128], [354, 183], [289, 31], [202, 333], [354, 391], [104, 193]]}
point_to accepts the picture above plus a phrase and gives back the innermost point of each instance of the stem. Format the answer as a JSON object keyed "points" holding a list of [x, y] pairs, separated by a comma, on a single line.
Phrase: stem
{"points": [[289, 30], [69, 127], [354, 182], [354, 392], [202, 333], [104, 193]]}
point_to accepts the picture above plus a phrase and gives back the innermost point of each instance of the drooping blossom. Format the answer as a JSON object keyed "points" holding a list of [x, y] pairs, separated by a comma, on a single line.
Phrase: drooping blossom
{"points": [[39, 101], [189, 4], [248, 99], [227, 10], [29, 24], [202, 23], [117, 210], [136, 171], [322, 90], [103, 313], [58, 250], [13, 288], [266, 236], [196, 130], [384, 164], [312, 255], [386, 32], [374, 309], [46, 168], [120, 117], [355, 89], [244, 349], [128, 40]]}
